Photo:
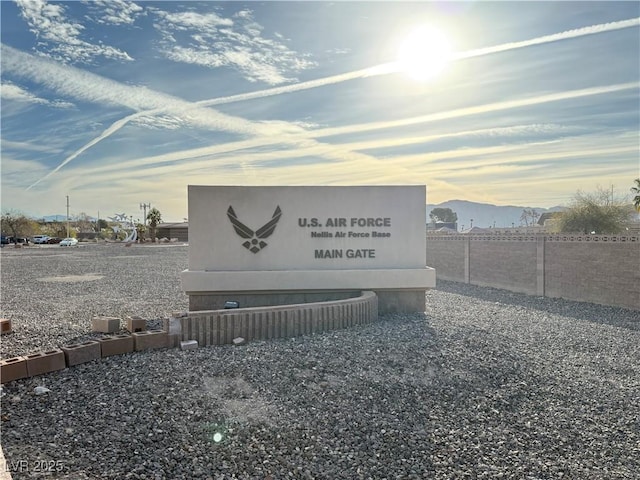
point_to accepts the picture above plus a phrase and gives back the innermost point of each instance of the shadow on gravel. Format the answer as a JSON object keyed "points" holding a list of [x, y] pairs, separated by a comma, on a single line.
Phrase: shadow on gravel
{"points": [[591, 312]]}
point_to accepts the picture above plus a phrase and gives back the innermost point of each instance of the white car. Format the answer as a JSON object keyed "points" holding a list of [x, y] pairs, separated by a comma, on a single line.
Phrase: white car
{"points": [[69, 242], [41, 239]]}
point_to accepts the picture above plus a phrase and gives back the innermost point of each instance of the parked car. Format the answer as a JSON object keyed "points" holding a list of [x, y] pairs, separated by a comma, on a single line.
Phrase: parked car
{"points": [[40, 238], [68, 242], [53, 240], [7, 240]]}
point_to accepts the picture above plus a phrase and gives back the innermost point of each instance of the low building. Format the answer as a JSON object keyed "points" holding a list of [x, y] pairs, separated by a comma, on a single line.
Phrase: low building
{"points": [[434, 226], [180, 231]]}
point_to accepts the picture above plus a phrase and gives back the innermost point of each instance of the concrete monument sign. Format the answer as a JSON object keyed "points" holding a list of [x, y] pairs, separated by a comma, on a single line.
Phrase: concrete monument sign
{"points": [[282, 245]]}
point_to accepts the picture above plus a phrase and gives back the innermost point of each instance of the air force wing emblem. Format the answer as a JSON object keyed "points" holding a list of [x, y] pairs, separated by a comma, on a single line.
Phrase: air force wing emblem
{"points": [[255, 241]]}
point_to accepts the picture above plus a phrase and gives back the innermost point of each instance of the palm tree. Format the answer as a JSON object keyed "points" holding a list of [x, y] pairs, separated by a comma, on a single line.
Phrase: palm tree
{"points": [[636, 190], [154, 217]]}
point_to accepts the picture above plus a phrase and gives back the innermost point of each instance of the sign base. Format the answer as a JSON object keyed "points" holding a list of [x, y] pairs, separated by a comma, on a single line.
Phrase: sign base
{"points": [[399, 291]]}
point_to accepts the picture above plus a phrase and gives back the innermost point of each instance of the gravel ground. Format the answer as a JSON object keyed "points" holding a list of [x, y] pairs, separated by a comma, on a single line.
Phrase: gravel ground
{"points": [[51, 293], [485, 384]]}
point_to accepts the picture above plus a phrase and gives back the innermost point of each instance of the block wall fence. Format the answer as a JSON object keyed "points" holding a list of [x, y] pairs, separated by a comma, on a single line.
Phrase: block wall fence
{"points": [[602, 269]]}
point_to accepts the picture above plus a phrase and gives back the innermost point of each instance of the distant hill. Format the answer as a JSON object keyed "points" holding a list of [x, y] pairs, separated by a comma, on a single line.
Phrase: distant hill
{"points": [[53, 218], [486, 215], [59, 218]]}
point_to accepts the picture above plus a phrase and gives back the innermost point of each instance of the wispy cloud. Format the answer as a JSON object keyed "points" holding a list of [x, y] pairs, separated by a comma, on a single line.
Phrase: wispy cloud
{"points": [[60, 38], [210, 40], [454, 171], [160, 122], [451, 162], [458, 162], [10, 91], [27, 146], [85, 86], [114, 12], [15, 171]]}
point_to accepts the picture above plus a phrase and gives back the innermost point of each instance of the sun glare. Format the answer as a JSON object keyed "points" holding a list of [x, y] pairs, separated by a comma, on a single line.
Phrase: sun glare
{"points": [[424, 53]]}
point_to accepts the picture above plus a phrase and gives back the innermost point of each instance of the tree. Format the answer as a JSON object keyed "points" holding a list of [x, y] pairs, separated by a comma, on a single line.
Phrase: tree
{"points": [[529, 216], [140, 228], [17, 224], [636, 198], [54, 229], [594, 212], [154, 217], [444, 215], [84, 223]]}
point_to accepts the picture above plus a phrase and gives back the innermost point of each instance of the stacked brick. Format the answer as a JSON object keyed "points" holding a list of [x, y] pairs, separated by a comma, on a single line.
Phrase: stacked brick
{"points": [[75, 354]]}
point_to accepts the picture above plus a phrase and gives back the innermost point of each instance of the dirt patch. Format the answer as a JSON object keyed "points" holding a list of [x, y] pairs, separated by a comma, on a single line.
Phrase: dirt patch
{"points": [[240, 400]]}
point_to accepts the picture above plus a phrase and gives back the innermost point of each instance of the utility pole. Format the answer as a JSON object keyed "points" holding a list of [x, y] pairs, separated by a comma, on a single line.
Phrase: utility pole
{"points": [[67, 216], [144, 206], [612, 194]]}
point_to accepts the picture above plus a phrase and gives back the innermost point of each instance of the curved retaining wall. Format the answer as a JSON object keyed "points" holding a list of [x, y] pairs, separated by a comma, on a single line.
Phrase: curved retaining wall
{"points": [[217, 327]]}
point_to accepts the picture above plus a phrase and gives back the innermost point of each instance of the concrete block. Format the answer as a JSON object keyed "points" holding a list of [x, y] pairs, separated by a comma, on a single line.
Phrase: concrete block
{"points": [[105, 324], [173, 327], [45, 362], [13, 369], [5, 326], [239, 341], [173, 341], [116, 345], [150, 339], [82, 352], [136, 324], [189, 345]]}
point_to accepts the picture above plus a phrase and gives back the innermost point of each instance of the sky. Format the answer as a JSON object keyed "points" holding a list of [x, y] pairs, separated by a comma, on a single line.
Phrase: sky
{"points": [[116, 104]]}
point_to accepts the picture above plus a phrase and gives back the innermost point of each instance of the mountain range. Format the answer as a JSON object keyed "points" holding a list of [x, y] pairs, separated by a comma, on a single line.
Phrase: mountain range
{"points": [[486, 215], [60, 218]]}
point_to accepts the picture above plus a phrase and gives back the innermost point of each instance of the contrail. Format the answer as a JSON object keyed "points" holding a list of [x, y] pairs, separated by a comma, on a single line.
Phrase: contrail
{"points": [[578, 32], [114, 127], [393, 67], [368, 127], [108, 132], [476, 110], [382, 69]]}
